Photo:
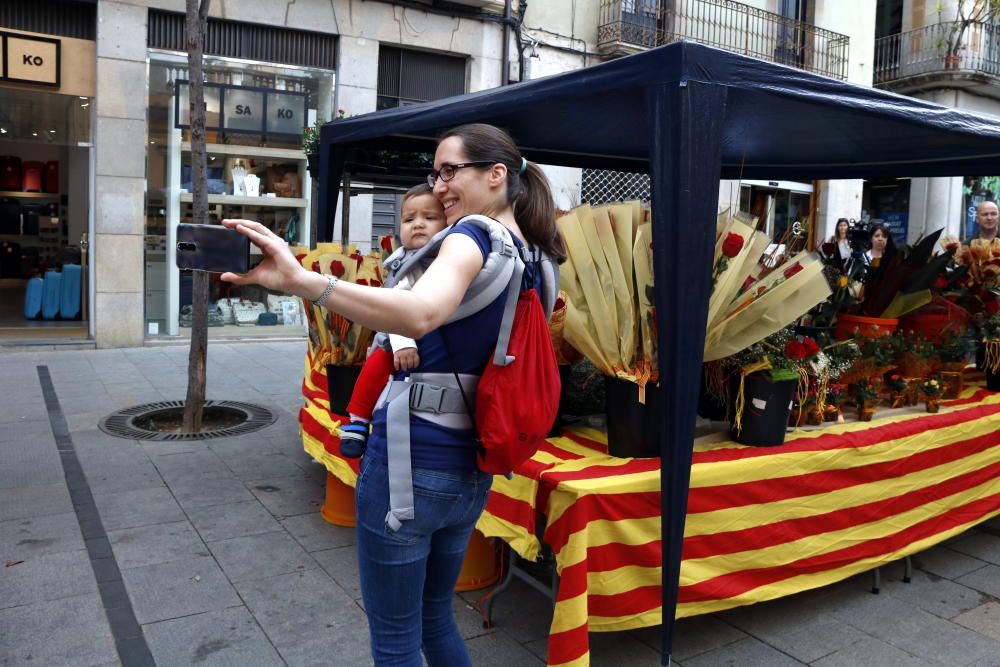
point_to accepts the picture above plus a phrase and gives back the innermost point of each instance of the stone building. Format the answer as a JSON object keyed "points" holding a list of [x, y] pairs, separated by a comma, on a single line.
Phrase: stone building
{"points": [[100, 120]]}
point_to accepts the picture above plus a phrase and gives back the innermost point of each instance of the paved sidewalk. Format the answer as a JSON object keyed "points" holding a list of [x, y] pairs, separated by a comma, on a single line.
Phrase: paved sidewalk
{"points": [[220, 556]]}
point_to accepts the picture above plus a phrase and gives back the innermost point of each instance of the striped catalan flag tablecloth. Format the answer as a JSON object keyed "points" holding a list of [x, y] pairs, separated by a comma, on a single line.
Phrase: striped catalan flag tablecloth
{"points": [[762, 522]]}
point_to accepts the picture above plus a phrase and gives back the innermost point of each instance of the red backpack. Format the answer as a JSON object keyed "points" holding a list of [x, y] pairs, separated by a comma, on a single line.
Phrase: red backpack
{"points": [[516, 403]]}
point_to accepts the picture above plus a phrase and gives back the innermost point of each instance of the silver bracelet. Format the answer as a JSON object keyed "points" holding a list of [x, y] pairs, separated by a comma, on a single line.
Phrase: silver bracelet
{"points": [[321, 299]]}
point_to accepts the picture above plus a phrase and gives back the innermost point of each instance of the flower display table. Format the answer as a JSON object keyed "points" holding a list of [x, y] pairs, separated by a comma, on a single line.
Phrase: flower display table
{"points": [[762, 523]]}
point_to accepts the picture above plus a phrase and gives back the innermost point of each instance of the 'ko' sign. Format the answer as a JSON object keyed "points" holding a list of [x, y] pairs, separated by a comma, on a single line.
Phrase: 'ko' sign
{"points": [[27, 59]]}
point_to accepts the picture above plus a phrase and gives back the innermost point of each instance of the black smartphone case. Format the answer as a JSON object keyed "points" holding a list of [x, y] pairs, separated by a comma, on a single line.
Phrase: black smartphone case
{"points": [[212, 248]]}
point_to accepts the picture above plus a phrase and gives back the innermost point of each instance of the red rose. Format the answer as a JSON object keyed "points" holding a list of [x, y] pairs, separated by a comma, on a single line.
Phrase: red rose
{"points": [[732, 245], [795, 350], [386, 243], [941, 282], [315, 267], [337, 269], [358, 257], [560, 304], [951, 246], [992, 307], [793, 269], [747, 283], [376, 283], [811, 348], [362, 281]]}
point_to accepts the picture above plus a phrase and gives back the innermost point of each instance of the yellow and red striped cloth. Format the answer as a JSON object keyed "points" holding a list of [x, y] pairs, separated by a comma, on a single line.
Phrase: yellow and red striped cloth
{"points": [[762, 523]]}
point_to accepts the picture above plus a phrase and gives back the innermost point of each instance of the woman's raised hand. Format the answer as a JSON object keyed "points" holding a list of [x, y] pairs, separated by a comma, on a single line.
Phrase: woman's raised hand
{"points": [[278, 271]]}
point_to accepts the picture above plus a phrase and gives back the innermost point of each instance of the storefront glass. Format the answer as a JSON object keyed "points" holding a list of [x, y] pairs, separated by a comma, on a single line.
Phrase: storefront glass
{"points": [[281, 200], [44, 213], [977, 189]]}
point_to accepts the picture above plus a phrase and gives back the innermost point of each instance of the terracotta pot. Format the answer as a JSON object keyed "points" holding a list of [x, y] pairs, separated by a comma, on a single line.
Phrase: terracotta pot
{"points": [[933, 405], [832, 413], [952, 383], [866, 412], [866, 327], [814, 417]]}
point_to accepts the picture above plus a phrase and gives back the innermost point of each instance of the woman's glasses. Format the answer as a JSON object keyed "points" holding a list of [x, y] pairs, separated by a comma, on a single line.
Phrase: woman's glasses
{"points": [[447, 171]]}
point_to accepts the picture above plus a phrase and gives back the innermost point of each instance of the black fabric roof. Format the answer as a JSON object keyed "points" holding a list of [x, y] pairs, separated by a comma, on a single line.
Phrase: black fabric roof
{"points": [[780, 122]]}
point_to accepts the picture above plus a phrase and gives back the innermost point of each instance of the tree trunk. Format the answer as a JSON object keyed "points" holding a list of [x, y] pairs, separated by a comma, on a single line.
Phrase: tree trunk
{"points": [[197, 18]]}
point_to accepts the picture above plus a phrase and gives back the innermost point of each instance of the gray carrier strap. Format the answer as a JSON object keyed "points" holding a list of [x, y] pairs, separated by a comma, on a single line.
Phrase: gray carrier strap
{"points": [[418, 394]]}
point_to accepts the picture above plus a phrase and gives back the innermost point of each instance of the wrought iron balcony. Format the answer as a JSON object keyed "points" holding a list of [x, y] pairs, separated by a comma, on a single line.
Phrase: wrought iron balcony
{"points": [[627, 26], [910, 60]]}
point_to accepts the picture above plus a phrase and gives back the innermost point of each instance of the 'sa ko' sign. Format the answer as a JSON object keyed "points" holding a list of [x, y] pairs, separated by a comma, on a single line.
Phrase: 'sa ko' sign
{"points": [[27, 59]]}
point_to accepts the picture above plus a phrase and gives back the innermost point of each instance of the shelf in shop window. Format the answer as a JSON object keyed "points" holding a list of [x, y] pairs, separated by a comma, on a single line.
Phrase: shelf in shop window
{"points": [[233, 200], [250, 151], [29, 195], [20, 238]]}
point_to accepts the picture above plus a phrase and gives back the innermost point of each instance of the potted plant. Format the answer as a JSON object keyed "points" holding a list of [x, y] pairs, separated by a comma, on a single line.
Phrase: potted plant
{"points": [[967, 13], [311, 143], [768, 374], [954, 353], [866, 398], [834, 395], [931, 389], [896, 384]]}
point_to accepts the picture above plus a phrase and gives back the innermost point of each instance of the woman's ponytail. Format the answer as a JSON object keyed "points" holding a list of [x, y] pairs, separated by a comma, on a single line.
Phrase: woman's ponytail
{"points": [[536, 212]]}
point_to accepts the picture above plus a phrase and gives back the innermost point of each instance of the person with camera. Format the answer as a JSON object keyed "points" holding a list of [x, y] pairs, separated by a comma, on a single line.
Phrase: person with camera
{"points": [[409, 564]]}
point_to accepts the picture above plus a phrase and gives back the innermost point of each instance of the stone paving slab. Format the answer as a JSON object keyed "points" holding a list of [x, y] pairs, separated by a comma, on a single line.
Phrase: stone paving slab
{"points": [[40, 535], [986, 580], [225, 638], [288, 496], [980, 545], [222, 522], [308, 618], [870, 652], [22, 502], [69, 631], [341, 565], [195, 492], [747, 652], [178, 588], [946, 563], [141, 507], [44, 578], [314, 533], [158, 543], [984, 619], [260, 556]]}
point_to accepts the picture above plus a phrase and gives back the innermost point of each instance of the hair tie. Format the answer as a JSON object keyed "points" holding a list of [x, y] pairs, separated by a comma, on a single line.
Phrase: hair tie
{"points": [[524, 166]]}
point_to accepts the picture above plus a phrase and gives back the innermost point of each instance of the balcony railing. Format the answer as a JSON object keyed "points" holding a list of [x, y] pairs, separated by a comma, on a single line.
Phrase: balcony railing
{"points": [[932, 50], [636, 24]]}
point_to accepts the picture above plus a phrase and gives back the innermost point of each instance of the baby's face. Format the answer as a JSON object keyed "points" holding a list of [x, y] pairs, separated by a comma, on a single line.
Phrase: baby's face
{"points": [[422, 218]]}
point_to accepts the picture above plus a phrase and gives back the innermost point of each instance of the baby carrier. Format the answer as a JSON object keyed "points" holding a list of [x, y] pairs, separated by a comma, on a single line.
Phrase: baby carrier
{"points": [[448, 398]]}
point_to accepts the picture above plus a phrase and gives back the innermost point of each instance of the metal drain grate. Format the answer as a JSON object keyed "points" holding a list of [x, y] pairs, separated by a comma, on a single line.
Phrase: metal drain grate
{"points": [[122, 423]]}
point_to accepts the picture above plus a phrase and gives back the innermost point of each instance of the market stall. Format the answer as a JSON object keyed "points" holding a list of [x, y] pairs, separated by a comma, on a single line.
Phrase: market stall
{"points": [[687, 114]]}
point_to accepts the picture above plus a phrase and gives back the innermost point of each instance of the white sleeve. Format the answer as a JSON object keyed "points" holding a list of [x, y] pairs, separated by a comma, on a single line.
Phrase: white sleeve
{"points": [[395, 340]]}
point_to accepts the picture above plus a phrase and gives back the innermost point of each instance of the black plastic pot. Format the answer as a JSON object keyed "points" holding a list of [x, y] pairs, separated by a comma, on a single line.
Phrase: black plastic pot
{"points": [[980, 355], [340, 384], [633, 427], [312, 164], [766, 406], [709, 406], [993, 381]]}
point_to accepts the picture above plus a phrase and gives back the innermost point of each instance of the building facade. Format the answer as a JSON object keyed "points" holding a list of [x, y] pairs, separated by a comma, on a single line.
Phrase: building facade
{"points": [[946, 52], [109, 124]]}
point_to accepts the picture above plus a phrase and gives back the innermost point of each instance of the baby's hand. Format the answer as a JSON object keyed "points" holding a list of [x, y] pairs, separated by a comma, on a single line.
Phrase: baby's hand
{"points": [[406, 358]]}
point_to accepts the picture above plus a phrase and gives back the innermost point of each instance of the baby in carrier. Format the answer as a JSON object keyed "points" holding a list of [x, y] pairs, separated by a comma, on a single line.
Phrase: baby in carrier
{"points": [[422, 218]]}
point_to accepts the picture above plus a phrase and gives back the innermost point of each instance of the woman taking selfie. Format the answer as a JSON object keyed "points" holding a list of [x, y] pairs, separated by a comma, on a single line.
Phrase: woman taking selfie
{"points": [[409, 558]]}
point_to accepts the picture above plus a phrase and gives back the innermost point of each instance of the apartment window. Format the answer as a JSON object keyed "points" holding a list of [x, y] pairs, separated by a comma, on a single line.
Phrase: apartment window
{"points": [[409, 77]]}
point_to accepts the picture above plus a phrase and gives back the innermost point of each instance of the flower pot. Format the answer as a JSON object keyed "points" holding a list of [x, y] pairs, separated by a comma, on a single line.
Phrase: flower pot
{"points": [[814, 417], [340, 384], [709, 405], [832, 413], [866, 327], [952, 383], [866, 412], [633, 427], [312, 164], [993, 381], [766, 406], [933, 405], [952, 61]]}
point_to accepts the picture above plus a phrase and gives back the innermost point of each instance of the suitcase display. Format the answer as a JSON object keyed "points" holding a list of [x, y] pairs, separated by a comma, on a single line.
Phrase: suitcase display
{"points": [[10, 216], [52, 176], [51, 295], [32, 173], [69, 303], [10, 173], [33, 298]]}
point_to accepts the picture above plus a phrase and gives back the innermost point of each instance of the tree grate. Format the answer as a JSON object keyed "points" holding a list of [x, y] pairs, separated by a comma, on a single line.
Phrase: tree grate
{"points": [[121, 424]]}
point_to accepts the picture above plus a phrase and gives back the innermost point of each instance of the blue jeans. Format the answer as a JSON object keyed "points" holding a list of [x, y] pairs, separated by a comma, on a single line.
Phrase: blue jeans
{"points": [[408, 577]]}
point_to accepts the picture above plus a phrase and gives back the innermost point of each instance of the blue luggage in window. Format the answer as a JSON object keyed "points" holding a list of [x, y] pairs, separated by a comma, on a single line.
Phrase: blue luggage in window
{"points": [[33, 298], [69, 301], [51, 295]]}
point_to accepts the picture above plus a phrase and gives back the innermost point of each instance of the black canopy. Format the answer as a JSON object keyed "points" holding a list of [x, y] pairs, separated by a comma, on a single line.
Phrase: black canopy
{"points": [[688, 115]]}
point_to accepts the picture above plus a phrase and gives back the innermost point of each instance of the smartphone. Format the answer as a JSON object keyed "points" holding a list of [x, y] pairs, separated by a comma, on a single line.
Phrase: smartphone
{"points": [[212, 248]]}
